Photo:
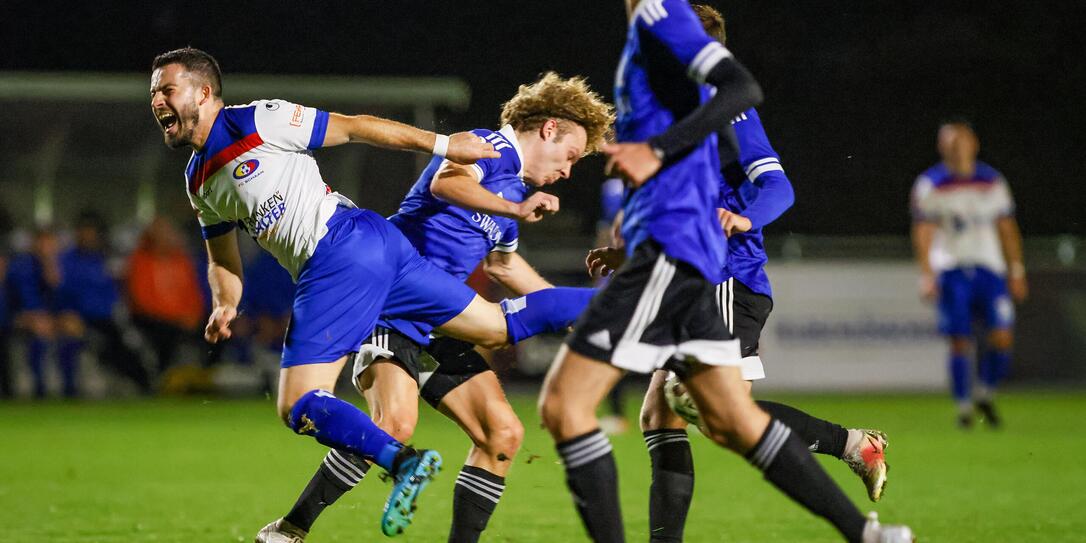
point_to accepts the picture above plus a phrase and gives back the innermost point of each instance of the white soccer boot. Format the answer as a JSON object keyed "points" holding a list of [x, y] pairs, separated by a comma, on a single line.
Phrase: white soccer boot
{"points": [[280, 531], [890, 533], [867, 458]]}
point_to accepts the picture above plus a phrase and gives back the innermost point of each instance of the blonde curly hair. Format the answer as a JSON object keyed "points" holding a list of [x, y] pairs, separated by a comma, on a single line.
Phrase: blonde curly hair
{"points": [[568, 101]]}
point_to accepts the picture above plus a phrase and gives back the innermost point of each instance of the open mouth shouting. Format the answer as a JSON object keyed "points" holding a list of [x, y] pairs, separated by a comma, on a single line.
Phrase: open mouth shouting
{"points": [[168, 121]]}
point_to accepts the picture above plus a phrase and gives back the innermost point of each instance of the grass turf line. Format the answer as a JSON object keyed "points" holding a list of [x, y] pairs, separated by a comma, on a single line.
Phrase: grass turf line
{"points": [[218, 470]]}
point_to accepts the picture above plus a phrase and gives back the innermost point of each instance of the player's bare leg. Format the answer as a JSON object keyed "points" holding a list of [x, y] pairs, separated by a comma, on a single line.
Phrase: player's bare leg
{"points": [[961, 378], [573, 388], [392, 397], [480, 408], [481, 323]]}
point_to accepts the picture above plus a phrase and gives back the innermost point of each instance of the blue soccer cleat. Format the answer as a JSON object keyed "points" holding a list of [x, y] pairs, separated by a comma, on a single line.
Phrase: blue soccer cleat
{"points": [[412, 471]]}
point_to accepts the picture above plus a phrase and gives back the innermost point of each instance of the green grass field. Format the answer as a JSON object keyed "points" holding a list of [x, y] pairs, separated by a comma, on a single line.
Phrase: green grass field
{"points": [[218, 470]]}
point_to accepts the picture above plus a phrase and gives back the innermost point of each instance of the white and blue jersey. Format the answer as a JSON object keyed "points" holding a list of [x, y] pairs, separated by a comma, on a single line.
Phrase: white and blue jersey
{"points": [[757, 188], [659, 82], [966, 252], [351, 265], [457, 239]]}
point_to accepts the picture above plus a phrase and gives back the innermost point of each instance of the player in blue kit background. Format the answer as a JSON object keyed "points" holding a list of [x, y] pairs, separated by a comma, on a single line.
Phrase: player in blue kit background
{"points": [[657, 311], [969, 249], [458, 216], [754, 192], [252, 168]]}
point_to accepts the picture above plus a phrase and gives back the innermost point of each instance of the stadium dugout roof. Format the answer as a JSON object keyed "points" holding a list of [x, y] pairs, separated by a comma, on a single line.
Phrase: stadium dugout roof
{"points": [[133, 87]]}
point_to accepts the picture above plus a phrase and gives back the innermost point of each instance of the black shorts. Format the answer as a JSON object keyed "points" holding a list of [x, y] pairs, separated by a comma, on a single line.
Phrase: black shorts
{"points": [[439, 368], [745, 312], [655, 311]]}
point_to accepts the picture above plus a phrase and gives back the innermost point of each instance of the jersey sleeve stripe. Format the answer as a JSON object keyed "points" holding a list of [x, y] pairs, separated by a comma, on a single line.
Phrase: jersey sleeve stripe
{"points": [[508, 247], [222, 158], [772, 167], [478, 172], [216, 230], [320, 127], [706, 60], [761, 162]]}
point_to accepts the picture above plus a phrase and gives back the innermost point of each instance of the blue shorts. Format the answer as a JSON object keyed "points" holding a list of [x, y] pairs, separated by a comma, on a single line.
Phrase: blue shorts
{"points": [[966, 294], [364, 268]]}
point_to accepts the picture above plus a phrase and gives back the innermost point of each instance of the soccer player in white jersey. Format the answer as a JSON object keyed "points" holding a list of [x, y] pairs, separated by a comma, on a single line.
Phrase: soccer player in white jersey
{"points": [[969, 249], [252, 168]]}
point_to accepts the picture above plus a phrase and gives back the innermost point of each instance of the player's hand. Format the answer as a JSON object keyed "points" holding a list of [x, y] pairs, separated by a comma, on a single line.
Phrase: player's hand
{"points": [[634, 162], [467, 148], [929, 287], [732, 223], [537, 206], [604, 261], [218, 324], [1018, 288]]}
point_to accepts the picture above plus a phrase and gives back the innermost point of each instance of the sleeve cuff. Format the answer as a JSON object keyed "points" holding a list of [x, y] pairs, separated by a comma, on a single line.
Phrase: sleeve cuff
{"points": [[510, 247], [320, 127], [216, 230]]}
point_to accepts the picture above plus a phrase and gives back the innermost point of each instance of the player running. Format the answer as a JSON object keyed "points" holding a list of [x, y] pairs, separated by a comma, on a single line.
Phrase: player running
{"points": [[252, 168], [969, 248], [458, 216], [755, 192], [658, 309]]}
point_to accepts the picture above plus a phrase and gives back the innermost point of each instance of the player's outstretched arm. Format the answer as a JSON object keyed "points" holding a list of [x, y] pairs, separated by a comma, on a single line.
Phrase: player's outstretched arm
{"points": [[1010, 239], [459, 185], [514, 273], [462, 148], [224, 277], [923, 233]]}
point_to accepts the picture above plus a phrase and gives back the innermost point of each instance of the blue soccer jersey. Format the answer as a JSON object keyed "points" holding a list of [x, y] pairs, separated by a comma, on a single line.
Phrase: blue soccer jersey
{"points": [[757, 188], [457, 239], [659, 82]]}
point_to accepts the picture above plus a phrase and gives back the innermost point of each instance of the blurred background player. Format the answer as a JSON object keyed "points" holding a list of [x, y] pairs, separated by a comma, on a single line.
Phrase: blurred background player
{"points": [[969, 250]]}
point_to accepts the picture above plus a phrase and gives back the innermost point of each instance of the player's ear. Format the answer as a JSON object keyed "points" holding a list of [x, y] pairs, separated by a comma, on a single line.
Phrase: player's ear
{"points": [[549, 129]]}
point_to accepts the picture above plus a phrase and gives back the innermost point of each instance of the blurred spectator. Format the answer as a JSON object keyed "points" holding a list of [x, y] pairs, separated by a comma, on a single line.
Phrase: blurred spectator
{"points": [[163, 290], [32, 282], [268, 298], [87, 296], [6, 384]]}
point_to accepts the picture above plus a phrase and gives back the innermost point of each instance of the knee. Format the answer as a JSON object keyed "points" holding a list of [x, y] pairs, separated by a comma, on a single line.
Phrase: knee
{"points": [[1002, 340], [959, 346], [396, 422], [286, 402], [553, 412], [502, 438]]}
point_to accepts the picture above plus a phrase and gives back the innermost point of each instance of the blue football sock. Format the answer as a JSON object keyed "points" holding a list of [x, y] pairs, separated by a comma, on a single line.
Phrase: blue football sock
{"points": [[547, 310], [994, 367], [35, 354], [68, 359], [960, 377], [340, 425]]}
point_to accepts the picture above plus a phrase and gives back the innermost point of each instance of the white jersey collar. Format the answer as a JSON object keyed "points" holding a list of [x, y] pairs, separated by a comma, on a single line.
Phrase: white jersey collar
{"points": [[511, 135]]}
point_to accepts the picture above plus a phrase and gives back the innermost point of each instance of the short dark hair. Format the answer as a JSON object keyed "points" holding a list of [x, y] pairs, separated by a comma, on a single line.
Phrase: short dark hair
{"points": [[90, 218], [711, 20], [196, 61]]}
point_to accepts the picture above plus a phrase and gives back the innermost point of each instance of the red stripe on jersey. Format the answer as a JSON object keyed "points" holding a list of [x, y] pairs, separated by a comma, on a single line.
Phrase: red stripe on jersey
{"points": [[222, 158]]}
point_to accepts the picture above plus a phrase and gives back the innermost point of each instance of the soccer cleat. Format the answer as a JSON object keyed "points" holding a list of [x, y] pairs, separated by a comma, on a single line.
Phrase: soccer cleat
{"points": [[874, 532], [411, 472], [868, 460], [988, 412], [280, 531]]}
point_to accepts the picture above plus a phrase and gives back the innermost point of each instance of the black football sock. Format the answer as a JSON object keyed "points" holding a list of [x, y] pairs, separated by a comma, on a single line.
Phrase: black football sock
{"points": [[593, 480], [785, 461], [475, 496], [822, 436], [672, 483], [339, 472]]}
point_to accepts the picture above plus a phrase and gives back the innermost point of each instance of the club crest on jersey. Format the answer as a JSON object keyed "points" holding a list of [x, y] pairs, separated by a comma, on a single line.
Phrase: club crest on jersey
{"points": [[245, 169]]}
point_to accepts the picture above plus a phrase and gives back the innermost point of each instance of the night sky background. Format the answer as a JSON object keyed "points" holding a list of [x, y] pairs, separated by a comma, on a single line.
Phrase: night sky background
{"points": [[855, 89]]}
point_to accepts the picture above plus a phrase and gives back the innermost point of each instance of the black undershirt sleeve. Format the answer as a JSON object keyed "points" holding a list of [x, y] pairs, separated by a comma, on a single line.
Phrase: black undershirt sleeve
{"points": [[736, 92]]}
